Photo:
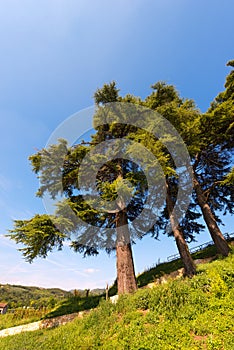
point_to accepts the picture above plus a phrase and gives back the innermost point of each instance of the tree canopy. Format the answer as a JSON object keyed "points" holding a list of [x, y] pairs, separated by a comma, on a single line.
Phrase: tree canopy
{"points": [[134, 176]]}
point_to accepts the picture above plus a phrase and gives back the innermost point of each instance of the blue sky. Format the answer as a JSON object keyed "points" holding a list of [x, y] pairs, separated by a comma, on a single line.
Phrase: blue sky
{"points": [[54, 55]]}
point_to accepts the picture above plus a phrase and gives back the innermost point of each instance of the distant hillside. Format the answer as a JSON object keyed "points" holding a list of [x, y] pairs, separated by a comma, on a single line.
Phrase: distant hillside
{"points": [[17, 295], [92, 292]]}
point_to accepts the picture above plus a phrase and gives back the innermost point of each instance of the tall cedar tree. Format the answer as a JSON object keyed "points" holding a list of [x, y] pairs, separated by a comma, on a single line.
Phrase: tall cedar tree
{"points": [[162, 96], [39, 234], [183, 115], [43, 233], [213, 163], [34, 233], [209, 139]]}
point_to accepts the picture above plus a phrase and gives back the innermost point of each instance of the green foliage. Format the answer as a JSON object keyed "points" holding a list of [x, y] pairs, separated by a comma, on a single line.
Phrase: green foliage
{"points": [[19, 296], [108, 93], [21, 316], [229, 178], [182, 314], [162, 94], [38, 234]]}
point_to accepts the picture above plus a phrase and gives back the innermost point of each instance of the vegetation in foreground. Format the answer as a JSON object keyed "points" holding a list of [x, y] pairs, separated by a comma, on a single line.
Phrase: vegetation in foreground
{"points": [[28, 303], [21, 316], [66, 302], [182, 314]]}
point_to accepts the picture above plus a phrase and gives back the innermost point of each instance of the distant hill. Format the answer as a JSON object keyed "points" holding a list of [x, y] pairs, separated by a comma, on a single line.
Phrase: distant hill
{"points": [[17, 295], [97, 291], [92, 292]]}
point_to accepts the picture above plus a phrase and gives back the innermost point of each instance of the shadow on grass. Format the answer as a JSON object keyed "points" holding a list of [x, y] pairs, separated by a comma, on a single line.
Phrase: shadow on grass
{"points": [[75, 304]]}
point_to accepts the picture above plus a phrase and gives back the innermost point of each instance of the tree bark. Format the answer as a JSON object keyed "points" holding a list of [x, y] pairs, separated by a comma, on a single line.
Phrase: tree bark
{"points": [[189, 266], [216, 235], [126, 280]]}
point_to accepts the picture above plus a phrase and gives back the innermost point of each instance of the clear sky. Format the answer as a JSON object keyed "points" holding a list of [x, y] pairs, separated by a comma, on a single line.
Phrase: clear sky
{"points": [[54, 55]]}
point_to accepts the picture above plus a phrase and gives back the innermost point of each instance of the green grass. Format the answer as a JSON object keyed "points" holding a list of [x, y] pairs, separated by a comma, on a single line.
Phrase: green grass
{"points": [[74, 304], [66, 306], [182, 314], [168, 267], [21, 316]]}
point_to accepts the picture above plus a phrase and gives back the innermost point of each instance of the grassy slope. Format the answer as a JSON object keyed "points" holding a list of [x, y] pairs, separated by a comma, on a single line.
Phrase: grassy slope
{"points": [[21, 316], [75, 304], [165, 268], [182, 314]]}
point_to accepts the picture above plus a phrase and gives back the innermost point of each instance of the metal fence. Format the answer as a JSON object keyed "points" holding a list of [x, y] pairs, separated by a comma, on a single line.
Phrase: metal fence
{"points": [[200, 247]]}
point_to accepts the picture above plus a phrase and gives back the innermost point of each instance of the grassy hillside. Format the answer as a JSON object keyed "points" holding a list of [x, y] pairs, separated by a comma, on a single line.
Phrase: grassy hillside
{"points": [[17, 295], [43, 303], [181, 314], [80, 303], [159, 270], [21, 316], [40, 300]]}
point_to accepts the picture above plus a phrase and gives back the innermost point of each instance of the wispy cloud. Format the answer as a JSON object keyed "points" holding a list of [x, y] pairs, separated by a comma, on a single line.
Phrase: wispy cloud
{"points": [[5, 184], [63, 268], [91, 270], [15, 214], [4, 241]]}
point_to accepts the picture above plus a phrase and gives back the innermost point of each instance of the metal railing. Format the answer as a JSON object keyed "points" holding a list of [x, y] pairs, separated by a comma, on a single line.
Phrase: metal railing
{"points": [[199, 247]]}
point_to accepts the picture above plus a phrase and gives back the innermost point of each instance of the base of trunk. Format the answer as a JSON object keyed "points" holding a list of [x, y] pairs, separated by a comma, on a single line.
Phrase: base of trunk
{"points": [[126, 280], [189, 265], [221, 244]]}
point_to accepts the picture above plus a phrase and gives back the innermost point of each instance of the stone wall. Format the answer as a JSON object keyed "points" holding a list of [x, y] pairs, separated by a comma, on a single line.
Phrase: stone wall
{"points": [[47, 323]]}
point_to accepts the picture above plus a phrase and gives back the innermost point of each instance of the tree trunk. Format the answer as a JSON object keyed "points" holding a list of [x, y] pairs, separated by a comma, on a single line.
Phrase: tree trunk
{"points": [[126, 280], [189, 266], [217, 236]]}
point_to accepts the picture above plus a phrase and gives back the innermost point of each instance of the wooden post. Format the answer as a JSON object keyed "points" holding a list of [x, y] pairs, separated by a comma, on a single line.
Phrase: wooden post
{"points": [[107, 290]]}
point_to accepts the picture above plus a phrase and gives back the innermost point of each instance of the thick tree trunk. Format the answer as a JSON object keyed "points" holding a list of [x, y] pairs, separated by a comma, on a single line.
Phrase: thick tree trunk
{"points": [[126, 280], [217, 236], [189, 266]]}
